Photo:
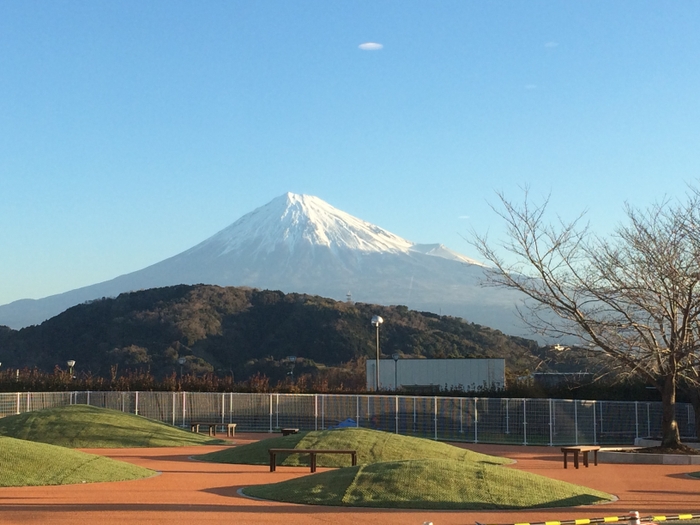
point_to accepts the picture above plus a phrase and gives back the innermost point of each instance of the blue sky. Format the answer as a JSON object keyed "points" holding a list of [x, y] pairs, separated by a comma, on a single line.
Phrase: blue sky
{"points": [[131, 130]]}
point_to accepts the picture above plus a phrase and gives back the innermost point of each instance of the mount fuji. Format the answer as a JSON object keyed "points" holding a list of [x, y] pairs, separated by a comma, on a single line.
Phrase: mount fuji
{"points": [[299, 243]]}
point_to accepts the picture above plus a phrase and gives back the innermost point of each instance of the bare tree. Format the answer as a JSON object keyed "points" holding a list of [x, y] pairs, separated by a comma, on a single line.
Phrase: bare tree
{"points": [[634, 296]]}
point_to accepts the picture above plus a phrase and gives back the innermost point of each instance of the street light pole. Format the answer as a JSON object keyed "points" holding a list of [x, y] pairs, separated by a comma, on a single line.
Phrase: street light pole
{"points": [[292, 359], [71, 364], [376, 321], [182, 361]]}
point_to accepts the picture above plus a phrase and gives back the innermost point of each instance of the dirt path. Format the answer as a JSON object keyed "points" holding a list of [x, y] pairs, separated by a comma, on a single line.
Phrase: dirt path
{"points": [[197, 493]]}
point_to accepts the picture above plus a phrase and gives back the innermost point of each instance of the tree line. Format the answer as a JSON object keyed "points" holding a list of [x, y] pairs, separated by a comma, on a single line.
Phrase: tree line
{"points": [[241, 332]]}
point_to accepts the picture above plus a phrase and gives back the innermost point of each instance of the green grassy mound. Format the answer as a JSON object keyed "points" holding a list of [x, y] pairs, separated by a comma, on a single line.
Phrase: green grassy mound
{"points": [[372, 447], [23, 463], [83, 426], [429, 484]]}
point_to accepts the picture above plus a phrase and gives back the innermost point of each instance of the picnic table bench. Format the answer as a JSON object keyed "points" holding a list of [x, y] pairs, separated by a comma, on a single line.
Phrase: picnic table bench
{"points": [[312, 452], [230, 427], [288, 431], [583, 450]]}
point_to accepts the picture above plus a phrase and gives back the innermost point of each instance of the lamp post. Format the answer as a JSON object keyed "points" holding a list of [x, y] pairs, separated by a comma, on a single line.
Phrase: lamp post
{"points": [[182, 361], [376, 321], [396, 357], [292, 359], [71, 364]]}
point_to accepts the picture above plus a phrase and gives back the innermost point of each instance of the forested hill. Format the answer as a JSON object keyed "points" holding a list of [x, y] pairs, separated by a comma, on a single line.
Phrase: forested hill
{"points": [[244, 331]]}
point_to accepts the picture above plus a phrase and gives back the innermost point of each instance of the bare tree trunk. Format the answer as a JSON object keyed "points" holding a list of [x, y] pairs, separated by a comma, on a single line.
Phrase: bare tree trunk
{"points": [[670, 436]]}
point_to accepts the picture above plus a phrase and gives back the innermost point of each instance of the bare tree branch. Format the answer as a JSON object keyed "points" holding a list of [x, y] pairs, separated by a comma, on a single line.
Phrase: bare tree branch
{"points": [[635, 296]]}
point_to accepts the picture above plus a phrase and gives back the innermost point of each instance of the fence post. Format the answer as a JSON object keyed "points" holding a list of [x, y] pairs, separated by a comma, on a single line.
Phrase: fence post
{"points": [[476, 420], [18, 402], [315, 411], [357, 410], [369, 415], [575, 422], [173, 406], [524, 421], [277, 411], [595, 434], [396, 411], [648, 421], [414, 413], [136, 404], [184, 402], [551, 424], [271, 412], [636, 419], [461, 415], [435, 402], [507, 416]]}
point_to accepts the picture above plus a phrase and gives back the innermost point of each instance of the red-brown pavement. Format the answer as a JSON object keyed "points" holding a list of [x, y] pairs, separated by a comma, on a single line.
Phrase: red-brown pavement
{"points": [[194, 493]]}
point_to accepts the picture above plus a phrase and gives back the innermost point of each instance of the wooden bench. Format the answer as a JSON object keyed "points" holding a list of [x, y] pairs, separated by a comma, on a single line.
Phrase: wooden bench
{"points": [[288, 431], [194, 427], [230, 427], [312, 455], [584, 450]]}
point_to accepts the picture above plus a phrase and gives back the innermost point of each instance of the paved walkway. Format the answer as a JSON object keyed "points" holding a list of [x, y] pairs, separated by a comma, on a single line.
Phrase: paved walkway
{"points": [[195, 493]]}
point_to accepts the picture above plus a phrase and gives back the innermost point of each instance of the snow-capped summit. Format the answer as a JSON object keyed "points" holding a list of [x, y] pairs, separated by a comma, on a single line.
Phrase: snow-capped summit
{"points": [[293, 220], [299, 243]]}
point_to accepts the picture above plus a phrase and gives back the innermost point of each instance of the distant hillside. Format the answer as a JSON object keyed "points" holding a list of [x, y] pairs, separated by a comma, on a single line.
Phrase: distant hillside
{"points": [[244, 331], [301, 244]]}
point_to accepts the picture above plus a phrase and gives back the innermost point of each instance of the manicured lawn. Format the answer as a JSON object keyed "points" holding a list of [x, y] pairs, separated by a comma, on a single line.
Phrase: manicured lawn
{"points": [[397, 471], [25, 463], [372, 447], [83, 426], [429, 484]]}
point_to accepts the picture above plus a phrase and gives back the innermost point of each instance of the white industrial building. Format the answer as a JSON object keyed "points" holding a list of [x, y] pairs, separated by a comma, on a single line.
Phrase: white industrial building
{"points": [[443, 374]]}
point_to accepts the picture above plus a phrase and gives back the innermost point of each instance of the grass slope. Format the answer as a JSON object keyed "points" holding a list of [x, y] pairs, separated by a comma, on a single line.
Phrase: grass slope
{"points": [[23, 463], [83, 426], [429, 484], [372, 447], [397, 471]]}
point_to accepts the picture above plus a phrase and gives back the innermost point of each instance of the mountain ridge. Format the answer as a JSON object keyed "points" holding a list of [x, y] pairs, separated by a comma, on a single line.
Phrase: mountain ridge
{"points": [[301, 244], [245, 331]]}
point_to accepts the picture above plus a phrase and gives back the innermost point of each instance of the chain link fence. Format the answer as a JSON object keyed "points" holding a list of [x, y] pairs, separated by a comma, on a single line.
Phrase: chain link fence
{"points": [[468, 419]]}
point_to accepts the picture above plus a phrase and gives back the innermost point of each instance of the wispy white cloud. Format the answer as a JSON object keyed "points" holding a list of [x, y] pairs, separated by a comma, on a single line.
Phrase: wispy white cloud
{"points": [[370, 46], [552, 44]]}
